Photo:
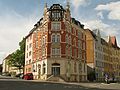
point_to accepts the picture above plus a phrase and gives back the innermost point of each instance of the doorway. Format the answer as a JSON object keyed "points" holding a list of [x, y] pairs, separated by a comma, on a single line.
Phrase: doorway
{"points": [[56, 69]]}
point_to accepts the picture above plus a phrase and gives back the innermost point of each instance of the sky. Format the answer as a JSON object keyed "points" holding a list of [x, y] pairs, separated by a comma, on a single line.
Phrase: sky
{"points": [[17, 18]]}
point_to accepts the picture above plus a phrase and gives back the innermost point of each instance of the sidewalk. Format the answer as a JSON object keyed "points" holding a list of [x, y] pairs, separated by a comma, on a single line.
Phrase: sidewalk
{"points": [[111, 86]]}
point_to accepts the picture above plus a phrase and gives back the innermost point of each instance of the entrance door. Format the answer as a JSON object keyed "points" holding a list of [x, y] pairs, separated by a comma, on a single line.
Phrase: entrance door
{"points": [[56, 69]]}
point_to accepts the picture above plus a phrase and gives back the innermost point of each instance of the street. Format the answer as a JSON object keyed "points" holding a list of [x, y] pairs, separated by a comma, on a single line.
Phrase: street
{"points": [[29, 85], [19, 84]]}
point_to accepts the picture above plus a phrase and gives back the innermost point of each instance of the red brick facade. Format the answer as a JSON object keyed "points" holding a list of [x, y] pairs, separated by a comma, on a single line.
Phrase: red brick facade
{"points": [[66, 42]]}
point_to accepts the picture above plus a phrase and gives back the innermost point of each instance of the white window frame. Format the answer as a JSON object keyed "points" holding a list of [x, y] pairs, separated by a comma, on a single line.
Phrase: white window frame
{"points": [[56, 39], [56, 52]]}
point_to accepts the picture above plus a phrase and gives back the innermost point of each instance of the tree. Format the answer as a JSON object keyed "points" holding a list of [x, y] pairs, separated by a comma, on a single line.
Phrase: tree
{"points": [[17, 59], [22, 52], [0, 68]]}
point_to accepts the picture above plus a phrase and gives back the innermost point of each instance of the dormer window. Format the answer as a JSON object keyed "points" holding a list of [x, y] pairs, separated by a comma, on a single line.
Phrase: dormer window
{"points": [[56, 15], [56, 12]]}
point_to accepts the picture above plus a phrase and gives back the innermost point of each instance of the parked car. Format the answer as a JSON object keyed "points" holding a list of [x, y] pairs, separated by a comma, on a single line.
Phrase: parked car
{"points": [[28, 76], [20, 75], [6, 74]]}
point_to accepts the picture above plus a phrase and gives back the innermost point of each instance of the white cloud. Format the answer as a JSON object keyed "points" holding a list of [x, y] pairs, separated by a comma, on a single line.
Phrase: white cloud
{"points": [[100, 14], [13, 27], [77, 3], [113, 8], [2, 54], [105, 28]]}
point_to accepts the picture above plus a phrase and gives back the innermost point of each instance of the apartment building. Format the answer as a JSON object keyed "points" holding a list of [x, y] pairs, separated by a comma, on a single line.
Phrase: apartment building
{"points": [[56, 46], [102, 56], [94, 51], [8, 69], [114, 57]]}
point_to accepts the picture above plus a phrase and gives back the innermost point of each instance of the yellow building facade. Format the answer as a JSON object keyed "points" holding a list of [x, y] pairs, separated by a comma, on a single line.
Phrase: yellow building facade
{"points": [[103, 57]]}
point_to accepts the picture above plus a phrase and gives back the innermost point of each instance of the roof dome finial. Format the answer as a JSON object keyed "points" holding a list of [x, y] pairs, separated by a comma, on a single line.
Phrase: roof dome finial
{"points": [[68, 4]]}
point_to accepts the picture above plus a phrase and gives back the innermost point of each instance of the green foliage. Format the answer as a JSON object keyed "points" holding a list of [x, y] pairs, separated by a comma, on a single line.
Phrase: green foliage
{"points": [[0, 68], [17, 58]]}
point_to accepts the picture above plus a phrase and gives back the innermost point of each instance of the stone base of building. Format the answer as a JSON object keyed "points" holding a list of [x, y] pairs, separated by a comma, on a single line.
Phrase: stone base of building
{"points": [[60, 69], [63, 78]]}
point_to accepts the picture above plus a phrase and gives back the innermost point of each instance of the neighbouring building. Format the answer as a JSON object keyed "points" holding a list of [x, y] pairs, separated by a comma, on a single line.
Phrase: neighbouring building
{"points": [[114, 57], [56, 46], [94, 53], [8, 69], [5, 65], [102, 56]]}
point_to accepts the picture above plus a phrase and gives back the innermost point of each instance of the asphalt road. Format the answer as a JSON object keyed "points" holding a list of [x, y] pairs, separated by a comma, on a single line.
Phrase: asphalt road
{"points": [[31, 85]]}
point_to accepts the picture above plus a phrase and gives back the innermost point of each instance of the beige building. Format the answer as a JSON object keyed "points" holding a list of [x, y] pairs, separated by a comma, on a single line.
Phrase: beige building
{"points": [[7, 69]]}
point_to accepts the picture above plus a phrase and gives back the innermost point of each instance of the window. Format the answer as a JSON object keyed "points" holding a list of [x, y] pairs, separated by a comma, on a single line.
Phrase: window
{"points": [[30, 53], [58, 38], [33, 68], [55, 38], [44, 39], [30, 45], [75, 68], [27, 47], [55, 26], [44, 67], [29, 61], [56, 15], [36, 68], [43, 51], [27, 55], [55, 51]]}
